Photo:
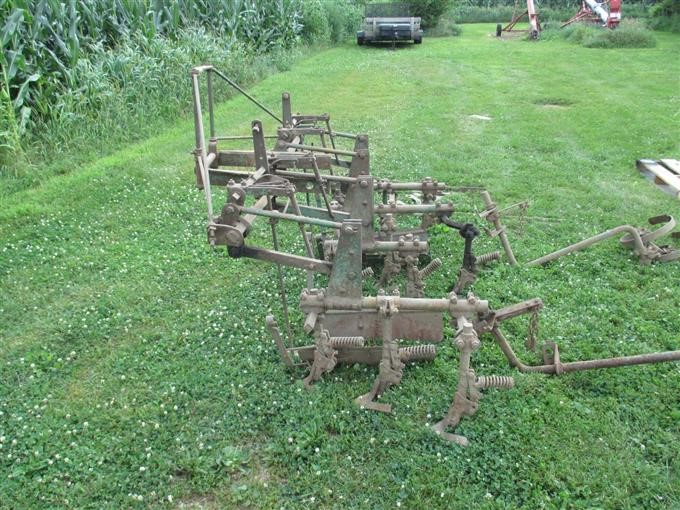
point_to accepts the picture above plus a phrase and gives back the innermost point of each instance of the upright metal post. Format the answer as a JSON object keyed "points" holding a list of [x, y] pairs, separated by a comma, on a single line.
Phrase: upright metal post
{"points": [[287, 110], [202, 157], [282, 284], [492, 216], [210, 105], [305, 238]]}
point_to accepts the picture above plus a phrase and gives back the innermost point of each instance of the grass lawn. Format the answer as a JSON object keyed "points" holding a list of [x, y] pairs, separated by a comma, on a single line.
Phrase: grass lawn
{"points": [[135, 369]]}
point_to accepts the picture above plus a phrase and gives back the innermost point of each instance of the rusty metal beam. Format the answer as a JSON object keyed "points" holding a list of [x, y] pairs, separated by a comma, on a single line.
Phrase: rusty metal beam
{"points": [[287, 259]]}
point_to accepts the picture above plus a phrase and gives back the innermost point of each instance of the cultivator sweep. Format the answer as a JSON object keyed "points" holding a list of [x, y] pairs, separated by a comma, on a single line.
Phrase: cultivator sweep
{"points": [[350, 222]]}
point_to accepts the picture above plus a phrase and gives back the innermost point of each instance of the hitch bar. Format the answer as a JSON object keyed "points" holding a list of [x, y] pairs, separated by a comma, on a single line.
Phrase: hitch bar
{"points": [[553, 365]]}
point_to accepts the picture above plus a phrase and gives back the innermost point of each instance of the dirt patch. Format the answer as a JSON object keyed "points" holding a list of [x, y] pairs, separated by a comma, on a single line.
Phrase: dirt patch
{"points": [[197, 502], [556, 103]]}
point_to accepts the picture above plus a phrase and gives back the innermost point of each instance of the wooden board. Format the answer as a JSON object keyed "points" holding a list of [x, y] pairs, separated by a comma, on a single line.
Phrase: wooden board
{"points": [[664, 173], [672, 164]]}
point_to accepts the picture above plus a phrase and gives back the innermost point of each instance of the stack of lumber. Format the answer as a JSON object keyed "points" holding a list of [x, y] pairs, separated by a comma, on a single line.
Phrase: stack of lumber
{"points": [[665, 173]]}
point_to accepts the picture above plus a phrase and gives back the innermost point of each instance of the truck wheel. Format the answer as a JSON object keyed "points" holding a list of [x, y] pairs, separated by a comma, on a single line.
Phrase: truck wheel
{"points": [[417, 40], [361, 41], [499, 30]]}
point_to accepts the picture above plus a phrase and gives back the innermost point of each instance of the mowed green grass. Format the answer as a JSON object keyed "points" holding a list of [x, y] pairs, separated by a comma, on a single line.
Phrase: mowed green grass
{"points": [[135, 369]]}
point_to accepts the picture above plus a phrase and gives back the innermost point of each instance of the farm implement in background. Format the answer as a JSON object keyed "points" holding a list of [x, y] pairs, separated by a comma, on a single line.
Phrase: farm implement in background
{"points": [[389, 22], [531, 14], [607, 13], [348, 222]]}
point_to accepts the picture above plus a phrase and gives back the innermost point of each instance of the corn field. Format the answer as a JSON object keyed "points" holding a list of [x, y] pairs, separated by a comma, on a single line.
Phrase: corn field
{"points": [[55, 51]]}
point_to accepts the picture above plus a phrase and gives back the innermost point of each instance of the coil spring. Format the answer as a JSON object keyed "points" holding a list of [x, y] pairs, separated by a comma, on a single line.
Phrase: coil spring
{"points": [[488, 257], [495, 381], [431, 267], [367, 272], [339, 342], [425, 352]]}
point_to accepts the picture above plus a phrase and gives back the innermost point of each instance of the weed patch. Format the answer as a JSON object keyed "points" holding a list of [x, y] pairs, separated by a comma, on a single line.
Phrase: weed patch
{"points": [[554, 102], [629, 34]]}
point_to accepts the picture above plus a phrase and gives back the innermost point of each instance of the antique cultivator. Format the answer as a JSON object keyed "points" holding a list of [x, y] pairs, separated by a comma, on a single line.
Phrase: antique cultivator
{"points": [[349, 223]]}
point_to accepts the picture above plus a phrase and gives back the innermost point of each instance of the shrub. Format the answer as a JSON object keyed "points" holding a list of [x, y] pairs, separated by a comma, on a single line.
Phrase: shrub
{"points": [[666, 8], [666, 15], [667, 23], [445, 27], [502, 14], [429, 10], [629, 34], [579, 32], [344, 18], [315, 22]]}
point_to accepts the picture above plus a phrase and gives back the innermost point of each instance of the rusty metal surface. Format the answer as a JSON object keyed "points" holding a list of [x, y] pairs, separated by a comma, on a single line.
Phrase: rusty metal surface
{"points": [[638, 240], [553, 365], [370, 355], [466, 398], [328, 193], [420, 325], [491, 214]]}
